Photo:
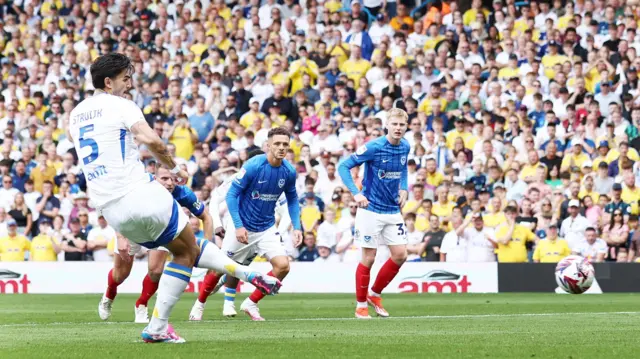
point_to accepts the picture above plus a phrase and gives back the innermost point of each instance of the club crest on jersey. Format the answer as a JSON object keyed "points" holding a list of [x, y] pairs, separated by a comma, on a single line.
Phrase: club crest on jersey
{"points": [[403, 160], [281, 183], [367, 239], [362, 149]]}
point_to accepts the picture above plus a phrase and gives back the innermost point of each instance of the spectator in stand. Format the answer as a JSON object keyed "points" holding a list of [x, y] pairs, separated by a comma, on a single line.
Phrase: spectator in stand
{"points": [[309, 252], [591, 247], [47, 204], [552, 248], [101, 240], [42, 173], [44, 247], [13, 246], [74, 243], [21, 213], [7, 193]]}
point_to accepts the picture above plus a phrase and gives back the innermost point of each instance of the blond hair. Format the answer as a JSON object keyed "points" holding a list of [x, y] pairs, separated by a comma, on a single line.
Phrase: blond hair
{"points": [[398, 113]]}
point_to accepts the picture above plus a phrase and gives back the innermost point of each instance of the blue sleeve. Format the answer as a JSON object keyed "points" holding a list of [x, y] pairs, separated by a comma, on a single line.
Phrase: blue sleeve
{"points": [[238, 186], [186, 198], [292, 202], [362, 155]]}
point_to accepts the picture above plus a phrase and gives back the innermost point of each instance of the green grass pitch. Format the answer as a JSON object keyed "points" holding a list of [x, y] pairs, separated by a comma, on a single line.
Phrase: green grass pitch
{"points": [[322, 326]]}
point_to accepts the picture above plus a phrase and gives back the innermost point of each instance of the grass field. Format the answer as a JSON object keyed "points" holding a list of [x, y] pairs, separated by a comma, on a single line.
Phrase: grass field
{"points": [[321, 326]]}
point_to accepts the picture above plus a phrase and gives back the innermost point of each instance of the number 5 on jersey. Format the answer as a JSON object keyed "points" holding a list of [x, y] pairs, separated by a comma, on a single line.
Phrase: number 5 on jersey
{"points": [[88, 142]]}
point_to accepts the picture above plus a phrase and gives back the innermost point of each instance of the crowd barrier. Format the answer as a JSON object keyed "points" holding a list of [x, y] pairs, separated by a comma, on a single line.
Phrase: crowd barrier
{"points": [[91, 277]]}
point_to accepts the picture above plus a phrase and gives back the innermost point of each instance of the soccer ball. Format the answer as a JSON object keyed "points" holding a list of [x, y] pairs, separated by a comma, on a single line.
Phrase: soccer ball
{"points": [[574, 274]]}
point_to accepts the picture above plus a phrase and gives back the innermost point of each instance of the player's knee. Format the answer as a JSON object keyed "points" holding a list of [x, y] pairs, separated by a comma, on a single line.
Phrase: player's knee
{"points": [[281, 266], [155, 273], [400, 257]]}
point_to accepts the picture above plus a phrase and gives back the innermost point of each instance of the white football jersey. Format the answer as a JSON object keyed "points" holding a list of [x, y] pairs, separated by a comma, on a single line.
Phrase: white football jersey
{"points": [[101, 130]]}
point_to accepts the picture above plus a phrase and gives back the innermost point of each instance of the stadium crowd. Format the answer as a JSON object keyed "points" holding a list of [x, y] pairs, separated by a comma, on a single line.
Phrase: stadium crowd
{"points": [[524, 117]]}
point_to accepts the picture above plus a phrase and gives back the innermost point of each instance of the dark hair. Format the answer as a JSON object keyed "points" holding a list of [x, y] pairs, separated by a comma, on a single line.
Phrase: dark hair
{"points": [[254, 153], [278, 131], [110, 65]]}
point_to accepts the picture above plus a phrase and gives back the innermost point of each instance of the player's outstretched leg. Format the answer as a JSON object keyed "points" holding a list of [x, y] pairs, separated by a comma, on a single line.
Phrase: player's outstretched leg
{"points": [[209, 285], [386, 274], [250, 305], [363, 275], [116, 276], [150, 284], [173, 282], [211, 257]]}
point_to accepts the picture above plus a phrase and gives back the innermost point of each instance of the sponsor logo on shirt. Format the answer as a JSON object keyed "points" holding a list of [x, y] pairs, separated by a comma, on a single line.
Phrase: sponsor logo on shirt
{"points": [[382, 174], [98, 172], [264, 196]]}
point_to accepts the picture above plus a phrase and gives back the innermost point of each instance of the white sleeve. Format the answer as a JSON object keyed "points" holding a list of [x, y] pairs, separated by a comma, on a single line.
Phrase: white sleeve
{"points": [[91, 236], [601, 246], [282, 210], [131, 114], [219, 195], [444, 247]]}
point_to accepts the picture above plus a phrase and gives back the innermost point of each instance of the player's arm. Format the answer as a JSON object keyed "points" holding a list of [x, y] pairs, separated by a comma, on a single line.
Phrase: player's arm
{"points": [[404, 185], [144, 134], [294, 209], [207, 223], [362, 155], [217, 198], [285, 219], [238, 186]]}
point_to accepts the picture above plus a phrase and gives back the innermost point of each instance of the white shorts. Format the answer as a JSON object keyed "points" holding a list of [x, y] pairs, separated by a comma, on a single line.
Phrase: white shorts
{"points": [[267, 243], [374, 229], [136, 248], [147, 216]]}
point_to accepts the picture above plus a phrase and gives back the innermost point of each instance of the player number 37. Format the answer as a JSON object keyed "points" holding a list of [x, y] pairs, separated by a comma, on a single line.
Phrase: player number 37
{"points": [[89, 142]]}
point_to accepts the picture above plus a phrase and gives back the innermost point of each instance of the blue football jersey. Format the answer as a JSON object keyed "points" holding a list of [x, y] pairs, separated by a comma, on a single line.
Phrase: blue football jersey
{"points": [[186, 198], [385, 173], [256, 191]]}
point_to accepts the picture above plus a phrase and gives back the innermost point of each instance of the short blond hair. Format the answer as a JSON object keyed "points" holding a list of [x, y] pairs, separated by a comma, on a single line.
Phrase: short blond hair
{"points": [[398, 113]]}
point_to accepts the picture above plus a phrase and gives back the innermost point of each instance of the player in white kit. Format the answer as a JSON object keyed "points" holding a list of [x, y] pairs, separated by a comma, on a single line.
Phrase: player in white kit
{"points": [[102, 128]]}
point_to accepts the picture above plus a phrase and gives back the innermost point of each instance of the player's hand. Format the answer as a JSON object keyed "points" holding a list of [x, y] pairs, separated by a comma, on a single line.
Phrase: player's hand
{"points": [[297, 238], [182, 177], [403, 197], [242, 236], [361, 200], [220, 232]]}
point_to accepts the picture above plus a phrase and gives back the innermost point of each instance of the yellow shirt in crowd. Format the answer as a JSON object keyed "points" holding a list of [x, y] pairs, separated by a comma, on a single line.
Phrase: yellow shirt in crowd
{"points": [[548, 251], [42, 249], [515, 251], [12, 249]]}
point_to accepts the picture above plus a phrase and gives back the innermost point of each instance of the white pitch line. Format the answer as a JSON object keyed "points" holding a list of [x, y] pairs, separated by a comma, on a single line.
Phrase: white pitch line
{"points": [[420, 317]]}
